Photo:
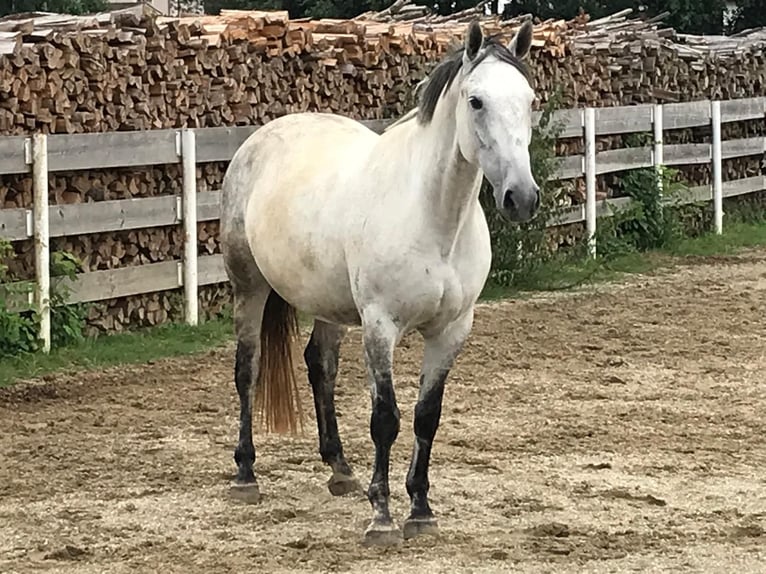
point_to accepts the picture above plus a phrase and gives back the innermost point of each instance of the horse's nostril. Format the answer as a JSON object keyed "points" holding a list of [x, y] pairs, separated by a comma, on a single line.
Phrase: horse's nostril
{"points": [[508, 202]]}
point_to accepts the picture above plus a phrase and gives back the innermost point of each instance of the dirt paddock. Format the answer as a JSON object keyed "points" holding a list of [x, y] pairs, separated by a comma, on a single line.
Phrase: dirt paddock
{"points": [[618, 429]]}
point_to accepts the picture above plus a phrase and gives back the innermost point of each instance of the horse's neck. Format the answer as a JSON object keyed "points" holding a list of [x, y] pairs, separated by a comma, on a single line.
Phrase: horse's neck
{"points": [[449, 185]]}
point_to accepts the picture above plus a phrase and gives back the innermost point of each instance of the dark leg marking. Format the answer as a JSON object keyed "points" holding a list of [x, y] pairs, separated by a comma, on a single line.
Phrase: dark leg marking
{"points": [[321, 357], [245, 486], [384, 428], [248, 316], [441, 351], [427, 414]]}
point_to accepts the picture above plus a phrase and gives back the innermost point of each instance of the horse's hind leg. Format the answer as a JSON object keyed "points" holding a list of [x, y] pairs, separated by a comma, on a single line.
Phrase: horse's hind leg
{"points": [[249, 306], [441, 350], [321, 354]]}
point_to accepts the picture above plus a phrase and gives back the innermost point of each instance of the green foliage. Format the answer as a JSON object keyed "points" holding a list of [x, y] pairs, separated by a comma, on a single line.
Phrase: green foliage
{"points": [[519, 248], [650, 221], [58, 6], [67, 321], [747, 14], [688, 16], [19, 329], [523, 257]]}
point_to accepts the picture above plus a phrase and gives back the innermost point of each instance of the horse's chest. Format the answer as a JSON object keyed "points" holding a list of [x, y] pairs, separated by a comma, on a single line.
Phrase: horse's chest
{"points": [[423, 294]]}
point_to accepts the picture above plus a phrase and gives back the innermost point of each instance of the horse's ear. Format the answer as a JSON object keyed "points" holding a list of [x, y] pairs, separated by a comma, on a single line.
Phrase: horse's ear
{"points": [[522, 41], [474, 39]]}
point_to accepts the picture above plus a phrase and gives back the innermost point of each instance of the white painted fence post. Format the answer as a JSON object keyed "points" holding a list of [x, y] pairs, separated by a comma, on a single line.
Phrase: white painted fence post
{"points": [[42, 237], [657, 158], [715, 118], [590, 178], [190, 277]]}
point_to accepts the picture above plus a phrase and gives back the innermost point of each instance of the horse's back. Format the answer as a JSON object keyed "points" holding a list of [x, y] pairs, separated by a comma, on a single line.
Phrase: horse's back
{"points": [[285, 194]]}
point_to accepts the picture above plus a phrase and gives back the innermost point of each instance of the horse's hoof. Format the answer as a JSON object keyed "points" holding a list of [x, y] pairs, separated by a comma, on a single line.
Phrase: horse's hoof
{"points": [[380, 534], [340, 484], [420, 526], [247, 492]]}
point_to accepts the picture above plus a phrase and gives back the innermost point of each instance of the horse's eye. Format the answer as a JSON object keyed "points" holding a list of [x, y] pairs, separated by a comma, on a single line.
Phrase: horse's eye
{"points": [[476, 103]]}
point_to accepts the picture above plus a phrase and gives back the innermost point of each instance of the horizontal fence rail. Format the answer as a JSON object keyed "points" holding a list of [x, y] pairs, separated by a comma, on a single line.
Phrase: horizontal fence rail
{"points": [[40, 155]]}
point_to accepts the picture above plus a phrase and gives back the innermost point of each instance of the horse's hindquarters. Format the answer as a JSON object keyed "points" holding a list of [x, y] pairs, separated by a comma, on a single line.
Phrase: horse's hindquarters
{"points": [[296, 213]]}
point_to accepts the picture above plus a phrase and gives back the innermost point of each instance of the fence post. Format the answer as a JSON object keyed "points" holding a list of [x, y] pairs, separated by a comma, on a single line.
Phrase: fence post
{"points": [[715, 118], [657, 158], [189, 158], [42, 237], [590, 179]]}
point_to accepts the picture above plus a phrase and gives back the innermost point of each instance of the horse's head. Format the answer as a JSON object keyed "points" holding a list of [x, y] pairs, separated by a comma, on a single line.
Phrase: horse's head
{"points": [[494, 118]]}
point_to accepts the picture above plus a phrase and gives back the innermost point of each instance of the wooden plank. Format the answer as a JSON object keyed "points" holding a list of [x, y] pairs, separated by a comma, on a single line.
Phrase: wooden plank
{"points": [[570, 166], [686, 154], [208, 205], [576, 213], [220, 144], [570, 121], [624, 119], [686, 114], [135, 280], [111, 149], [742, 147], [695, 194], [608, 207], [566, 216], [113, 283], [744, 186], [13, 224], [614, 160], [211, 270], [13, 155], [101, 216], [18, 296], [742, 109]]}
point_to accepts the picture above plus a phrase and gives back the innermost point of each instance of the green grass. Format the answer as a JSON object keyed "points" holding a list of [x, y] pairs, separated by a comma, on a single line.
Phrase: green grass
{"points": [[177, 340], [134, 347], [564, 273], [736, 236]]}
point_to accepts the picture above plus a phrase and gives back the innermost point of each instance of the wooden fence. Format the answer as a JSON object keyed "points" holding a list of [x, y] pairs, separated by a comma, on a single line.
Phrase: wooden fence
{"points": [[41, 155]]}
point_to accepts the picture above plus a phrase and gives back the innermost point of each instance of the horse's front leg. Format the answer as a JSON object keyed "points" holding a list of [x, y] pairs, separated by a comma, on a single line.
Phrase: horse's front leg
{"points": [[380, 336], [441, 350]]}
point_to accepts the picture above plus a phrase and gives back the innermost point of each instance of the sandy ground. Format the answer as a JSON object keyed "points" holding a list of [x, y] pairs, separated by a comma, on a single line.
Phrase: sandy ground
{"points": [[618, 429]]}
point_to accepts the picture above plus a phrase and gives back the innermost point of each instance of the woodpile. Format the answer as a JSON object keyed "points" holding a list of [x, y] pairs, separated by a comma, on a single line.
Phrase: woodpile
{"points": [[99, 251], [131, 70], [125, 313]]}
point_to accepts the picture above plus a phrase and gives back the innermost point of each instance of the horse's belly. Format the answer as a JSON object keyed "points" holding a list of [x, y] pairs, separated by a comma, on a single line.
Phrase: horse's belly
{"points": [[308, 272]]}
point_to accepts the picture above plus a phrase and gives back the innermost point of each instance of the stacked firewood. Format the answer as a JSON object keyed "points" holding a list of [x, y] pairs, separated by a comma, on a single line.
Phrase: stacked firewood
{"points": [[147, 310], [128, 70]]}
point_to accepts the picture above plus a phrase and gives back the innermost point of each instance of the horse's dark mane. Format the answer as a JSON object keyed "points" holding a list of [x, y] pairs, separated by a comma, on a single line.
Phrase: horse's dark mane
{"points": [[444, 74]]}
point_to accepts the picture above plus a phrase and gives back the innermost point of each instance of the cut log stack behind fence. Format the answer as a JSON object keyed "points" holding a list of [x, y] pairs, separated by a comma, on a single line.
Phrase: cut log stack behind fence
{"points": [[118, 128]]}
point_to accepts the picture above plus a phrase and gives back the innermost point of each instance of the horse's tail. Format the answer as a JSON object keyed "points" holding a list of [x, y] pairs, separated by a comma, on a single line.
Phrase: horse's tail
{"points": [[276, 389]]}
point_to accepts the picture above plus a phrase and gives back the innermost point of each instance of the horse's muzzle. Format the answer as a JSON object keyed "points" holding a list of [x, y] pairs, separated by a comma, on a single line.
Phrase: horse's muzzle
{"points": [[521, 204]]}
